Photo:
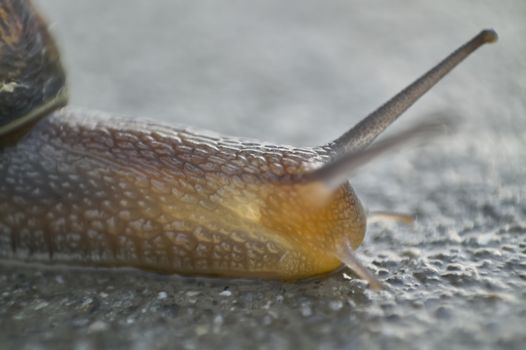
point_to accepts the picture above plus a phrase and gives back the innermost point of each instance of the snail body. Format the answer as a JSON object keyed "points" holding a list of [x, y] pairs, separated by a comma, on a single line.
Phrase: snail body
{"points": [[188, 203], [85, 188]]}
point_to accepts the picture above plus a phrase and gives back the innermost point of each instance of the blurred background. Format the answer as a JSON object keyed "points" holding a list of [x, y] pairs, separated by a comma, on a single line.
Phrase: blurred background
{"points": [[301, 73]]}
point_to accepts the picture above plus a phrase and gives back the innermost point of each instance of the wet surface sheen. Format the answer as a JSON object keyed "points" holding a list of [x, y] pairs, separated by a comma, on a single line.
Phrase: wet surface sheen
{"points": [[302, 73]]}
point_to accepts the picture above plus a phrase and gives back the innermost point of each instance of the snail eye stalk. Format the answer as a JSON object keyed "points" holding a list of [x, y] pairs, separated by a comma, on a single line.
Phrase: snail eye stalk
{"points": [[366, 131]]}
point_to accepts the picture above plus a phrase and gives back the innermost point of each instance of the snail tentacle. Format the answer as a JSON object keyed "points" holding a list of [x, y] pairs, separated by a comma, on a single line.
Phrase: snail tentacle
{"points": [[366, 131], [382, 216], [346, 256], [338, 170]]}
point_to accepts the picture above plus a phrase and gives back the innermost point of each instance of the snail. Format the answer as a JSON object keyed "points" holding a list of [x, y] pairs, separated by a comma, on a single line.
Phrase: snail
{"points": [[85, 188]]}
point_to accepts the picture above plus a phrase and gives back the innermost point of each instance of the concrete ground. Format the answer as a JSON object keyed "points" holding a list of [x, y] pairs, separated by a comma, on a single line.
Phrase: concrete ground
{"points": [[302, 72]]}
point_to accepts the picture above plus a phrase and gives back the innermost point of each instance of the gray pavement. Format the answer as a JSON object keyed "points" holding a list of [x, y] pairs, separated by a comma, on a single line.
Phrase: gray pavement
{"points": [[302, 72]]}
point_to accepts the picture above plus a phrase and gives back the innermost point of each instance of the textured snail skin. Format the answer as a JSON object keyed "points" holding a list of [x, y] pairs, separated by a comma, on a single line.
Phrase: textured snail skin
{"points": [[88, 189]]}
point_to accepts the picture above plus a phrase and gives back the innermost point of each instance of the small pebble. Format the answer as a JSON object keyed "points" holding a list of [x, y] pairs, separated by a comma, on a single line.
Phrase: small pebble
{"points": [[87, 302], [201, 330], [162, 295], [267, 320], [41, 305], [225, 293], [218, 320], [306, 310], [336, 305], [98, 326]]}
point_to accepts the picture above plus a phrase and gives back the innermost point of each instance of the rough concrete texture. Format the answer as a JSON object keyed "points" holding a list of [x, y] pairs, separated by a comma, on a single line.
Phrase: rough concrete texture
{"points": [[302, 72]]}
